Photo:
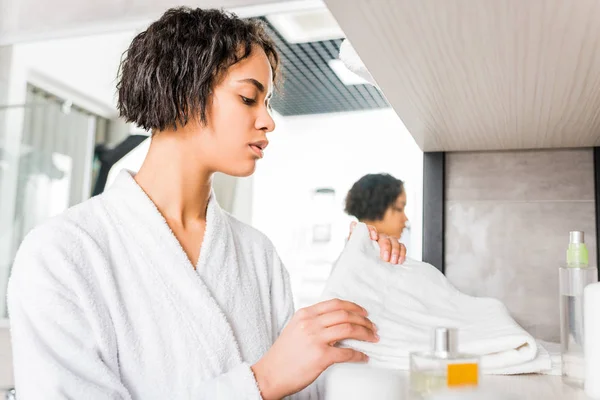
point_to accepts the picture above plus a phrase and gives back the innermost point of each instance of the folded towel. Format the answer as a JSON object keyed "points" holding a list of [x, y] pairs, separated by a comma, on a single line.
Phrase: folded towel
{"points": [[408, 301]]}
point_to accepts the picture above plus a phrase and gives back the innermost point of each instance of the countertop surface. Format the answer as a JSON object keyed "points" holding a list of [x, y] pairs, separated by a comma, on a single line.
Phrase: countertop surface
{"points": [[360, 381]]}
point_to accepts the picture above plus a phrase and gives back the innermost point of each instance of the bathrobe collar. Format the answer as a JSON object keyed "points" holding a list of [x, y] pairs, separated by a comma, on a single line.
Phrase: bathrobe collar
{"points": [[173, 270]]}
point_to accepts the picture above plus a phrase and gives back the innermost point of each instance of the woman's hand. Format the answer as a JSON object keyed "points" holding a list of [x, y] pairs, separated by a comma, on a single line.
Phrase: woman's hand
{"points": [[306, 346], [391, 250]]}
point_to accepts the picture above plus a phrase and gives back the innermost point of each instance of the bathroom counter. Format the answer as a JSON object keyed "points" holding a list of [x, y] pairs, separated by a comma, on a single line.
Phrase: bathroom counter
{"points": [[359, 381]]}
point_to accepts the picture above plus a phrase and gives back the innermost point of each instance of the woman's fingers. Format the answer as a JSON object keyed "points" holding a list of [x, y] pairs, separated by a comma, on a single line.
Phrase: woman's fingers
{"points": [[341, 320], [391, 250], [342, 316], [342, 355], [334, 305], [402, 254], [385, 248], [339, 332], [395, 250], [373, 232]]}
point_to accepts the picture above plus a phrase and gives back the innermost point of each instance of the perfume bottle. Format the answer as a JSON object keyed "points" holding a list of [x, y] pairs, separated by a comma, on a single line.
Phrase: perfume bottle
{"points": [[443, 367]]}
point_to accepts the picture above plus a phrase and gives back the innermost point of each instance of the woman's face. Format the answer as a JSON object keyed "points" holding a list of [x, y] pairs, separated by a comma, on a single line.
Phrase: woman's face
{"points": [[394, 219], [238, 117]]}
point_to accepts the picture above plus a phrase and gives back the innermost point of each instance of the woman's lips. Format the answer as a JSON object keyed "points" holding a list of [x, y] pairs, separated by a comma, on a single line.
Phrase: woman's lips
{"points": [[259, 147], [257, 150]]}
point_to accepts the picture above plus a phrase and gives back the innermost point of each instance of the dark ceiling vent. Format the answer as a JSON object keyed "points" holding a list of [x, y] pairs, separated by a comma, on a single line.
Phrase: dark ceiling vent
{"points": [[309, 84]]}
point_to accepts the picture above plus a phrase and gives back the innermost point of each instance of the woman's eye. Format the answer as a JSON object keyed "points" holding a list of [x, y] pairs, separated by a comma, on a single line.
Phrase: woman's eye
{"points": [[248, 101]]}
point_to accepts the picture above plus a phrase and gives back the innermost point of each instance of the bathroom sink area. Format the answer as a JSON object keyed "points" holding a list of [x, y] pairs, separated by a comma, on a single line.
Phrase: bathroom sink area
{"points": [[360, 381]]}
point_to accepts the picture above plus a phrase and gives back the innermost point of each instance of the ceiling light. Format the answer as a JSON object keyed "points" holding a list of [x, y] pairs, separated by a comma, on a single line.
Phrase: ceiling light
{"points": [[352, 61], [306, 26], [346, 76]]}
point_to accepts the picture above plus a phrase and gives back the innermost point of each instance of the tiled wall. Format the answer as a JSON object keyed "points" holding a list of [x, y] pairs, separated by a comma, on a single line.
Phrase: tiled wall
{"points": [[508, 217]]}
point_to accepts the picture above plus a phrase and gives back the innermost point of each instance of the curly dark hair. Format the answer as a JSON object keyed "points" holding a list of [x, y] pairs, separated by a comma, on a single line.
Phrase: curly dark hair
{"points": [[372, 195], [169, 71]]}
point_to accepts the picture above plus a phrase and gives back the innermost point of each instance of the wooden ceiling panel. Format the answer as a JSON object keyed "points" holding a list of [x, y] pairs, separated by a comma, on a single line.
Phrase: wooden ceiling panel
{"points": [[484, 74]]}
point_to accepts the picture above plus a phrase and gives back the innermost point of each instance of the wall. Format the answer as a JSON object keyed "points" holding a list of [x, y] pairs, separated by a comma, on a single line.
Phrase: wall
{"points": [[85, 65], [508, 217]]}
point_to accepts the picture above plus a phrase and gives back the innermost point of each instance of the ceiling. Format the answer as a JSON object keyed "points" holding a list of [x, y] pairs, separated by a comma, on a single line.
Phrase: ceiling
{"points": [[310, 86], [88, 65], [30, 20], [486, 74]]}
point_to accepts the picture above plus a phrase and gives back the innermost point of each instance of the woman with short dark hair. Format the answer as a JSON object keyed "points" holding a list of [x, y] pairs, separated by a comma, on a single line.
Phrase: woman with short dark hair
{"points": [[379, 200], [150, 290]]}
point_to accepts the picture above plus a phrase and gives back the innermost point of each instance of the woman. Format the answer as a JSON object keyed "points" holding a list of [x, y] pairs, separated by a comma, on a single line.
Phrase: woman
{"points": [[150, 290], [379, 200]]}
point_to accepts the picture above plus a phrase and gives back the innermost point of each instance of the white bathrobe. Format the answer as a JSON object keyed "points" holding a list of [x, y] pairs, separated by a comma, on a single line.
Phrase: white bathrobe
{"points": [[104, 304]]}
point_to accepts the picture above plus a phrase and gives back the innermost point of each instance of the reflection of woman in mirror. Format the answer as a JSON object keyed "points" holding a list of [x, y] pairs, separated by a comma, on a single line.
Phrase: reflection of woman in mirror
{"points": [[379, 200]]}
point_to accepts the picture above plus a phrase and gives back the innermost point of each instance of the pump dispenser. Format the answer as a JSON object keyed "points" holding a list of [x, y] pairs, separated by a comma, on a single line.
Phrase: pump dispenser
{"points": [[574, 276]]}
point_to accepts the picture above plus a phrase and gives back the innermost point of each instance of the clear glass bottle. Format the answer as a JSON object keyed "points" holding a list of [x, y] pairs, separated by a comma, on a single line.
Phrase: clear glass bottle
{"points": [[443, 367], [573, 278]]}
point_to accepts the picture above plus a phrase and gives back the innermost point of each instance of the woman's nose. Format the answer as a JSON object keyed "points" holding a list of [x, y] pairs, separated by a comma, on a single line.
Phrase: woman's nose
{"points": [[265, 121]]}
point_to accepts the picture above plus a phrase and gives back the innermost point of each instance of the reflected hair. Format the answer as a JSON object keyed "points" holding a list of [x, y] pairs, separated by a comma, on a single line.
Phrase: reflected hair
{"points": [[371, 196]]}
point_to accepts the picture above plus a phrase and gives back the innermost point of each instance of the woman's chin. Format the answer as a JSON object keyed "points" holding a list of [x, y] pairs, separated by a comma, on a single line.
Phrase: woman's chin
{"points": [[241, 171]]}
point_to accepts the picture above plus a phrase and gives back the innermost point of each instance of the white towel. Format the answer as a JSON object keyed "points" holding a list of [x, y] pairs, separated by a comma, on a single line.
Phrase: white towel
{"points": [[105, 304], [408, 301]]}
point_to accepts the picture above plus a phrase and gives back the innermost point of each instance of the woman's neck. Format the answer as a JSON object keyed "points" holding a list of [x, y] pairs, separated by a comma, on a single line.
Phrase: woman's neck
{"points": [[173, 178]]}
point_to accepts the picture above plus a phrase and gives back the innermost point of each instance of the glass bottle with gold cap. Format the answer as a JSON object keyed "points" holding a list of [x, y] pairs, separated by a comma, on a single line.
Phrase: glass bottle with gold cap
{"points": [[443, 367]]}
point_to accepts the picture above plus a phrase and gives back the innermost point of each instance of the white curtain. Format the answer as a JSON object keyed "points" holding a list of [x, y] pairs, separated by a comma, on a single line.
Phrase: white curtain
{"points": [[54, 166]]}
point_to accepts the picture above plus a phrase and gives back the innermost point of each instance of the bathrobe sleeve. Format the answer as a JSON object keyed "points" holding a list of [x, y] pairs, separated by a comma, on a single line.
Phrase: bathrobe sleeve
{"points": [[282, 301], [283, 310], [59, 349], [63, 346]]}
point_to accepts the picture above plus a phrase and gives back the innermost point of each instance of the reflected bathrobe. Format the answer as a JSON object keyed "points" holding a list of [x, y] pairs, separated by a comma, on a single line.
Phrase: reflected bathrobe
{"points": [[104, 304]]}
